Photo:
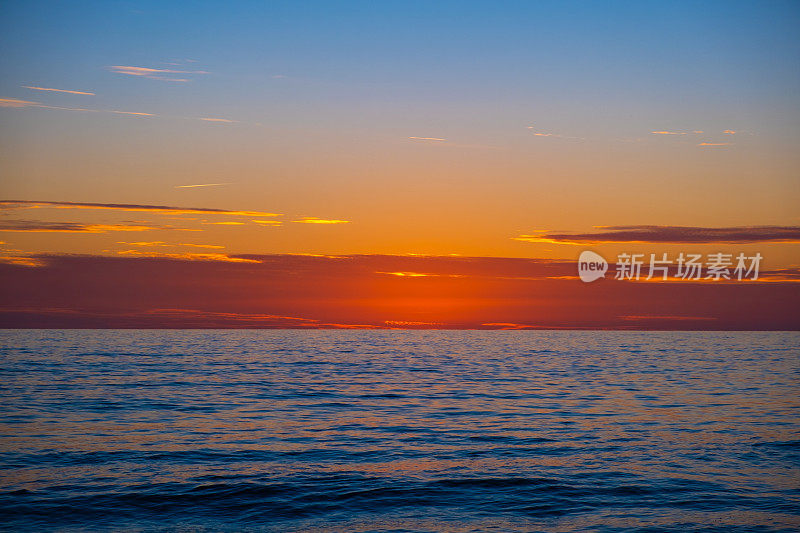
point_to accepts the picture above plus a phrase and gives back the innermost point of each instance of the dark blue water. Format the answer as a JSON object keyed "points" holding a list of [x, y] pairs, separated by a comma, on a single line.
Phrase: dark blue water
{"points": [[399, 431]]}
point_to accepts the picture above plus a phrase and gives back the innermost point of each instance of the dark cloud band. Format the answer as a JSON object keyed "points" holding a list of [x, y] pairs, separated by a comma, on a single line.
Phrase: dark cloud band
{"points": [[673, 234]]}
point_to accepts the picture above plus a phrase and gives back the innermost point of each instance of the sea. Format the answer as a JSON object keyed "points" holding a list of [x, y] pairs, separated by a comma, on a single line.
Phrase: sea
{"points": [[399, 430]]}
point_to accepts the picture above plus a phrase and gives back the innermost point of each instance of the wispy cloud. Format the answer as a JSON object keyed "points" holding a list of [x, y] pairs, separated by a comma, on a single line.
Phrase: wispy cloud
{"points": [[419, 275], [535, 133], [201, 185], [22, 260], [133, 113], [57, 90], [714, 144], [507, 325], [19, 103], [541, 134], [169, 245], [162, 74], [730, 132], [16, 102], [407, 274], [36, 226], [223, 120], [268, 222], [671, 234], [31, 204], [315, 220], [438, 141], [666, 132], [188, 256]]}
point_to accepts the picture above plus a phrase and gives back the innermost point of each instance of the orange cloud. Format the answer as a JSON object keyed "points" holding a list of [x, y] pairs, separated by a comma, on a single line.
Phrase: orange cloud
{"points": [[201, 185], [68, 227], [419, 275], [165, 244], [57, 90], [538, 134], [132, 113], [162, 74], [189, 256], [714, 144], [16, 102], [21, 260], [427, 139], [315, 220], [506, 325]]}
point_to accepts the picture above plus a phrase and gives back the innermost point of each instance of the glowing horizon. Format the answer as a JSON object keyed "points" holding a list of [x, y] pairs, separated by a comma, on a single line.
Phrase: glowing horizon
{"points": [[528, 130]]}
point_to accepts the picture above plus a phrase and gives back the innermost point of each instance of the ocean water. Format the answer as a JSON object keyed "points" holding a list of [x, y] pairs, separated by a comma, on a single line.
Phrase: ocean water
{"points": [[322, 431]]}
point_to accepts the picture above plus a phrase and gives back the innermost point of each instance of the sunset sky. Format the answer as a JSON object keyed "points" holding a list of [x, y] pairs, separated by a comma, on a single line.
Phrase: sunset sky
{"points": [[220, 134]]}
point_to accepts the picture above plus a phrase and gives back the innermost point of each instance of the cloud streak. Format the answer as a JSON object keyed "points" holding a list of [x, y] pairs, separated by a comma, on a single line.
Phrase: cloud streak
{"points": [[667, 132], [34, 204], [162, 74], [169, 245], [223, 120], [315, 220], [540, 134], [201, 185], [671, 234], [553, 135], [36, 226], [49, 89], [20, 104], [16, 102], [187, 256]]}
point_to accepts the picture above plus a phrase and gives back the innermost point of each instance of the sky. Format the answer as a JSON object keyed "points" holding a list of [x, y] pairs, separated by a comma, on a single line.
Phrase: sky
{"points": [[211, 131]]}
